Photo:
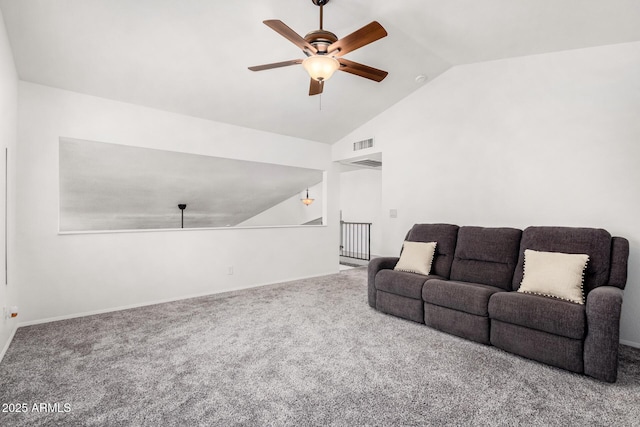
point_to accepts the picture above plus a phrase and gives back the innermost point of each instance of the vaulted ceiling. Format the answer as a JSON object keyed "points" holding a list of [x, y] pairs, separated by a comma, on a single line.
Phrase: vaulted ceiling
{"points": [[191, 56]]}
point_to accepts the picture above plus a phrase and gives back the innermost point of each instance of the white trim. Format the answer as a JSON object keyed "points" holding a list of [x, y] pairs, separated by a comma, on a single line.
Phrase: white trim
{"points": [[162, 301], [155, 230], [6, 347], [630, 343]]}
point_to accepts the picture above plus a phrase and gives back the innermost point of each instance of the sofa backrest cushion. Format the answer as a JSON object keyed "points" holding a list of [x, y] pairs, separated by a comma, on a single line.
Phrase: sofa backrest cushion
{"points": [[486, 255], [594, 242], [445, 237]]}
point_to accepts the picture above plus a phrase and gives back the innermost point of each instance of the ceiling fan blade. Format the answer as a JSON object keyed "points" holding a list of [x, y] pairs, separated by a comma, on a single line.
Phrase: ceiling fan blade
{"points": [[362, 37], [315, 88], [362, 70], [282, 29], [275, 65]]}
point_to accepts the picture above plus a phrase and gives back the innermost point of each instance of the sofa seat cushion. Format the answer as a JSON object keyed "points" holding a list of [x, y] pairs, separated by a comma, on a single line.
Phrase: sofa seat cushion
{"points": [[401, 283], [545, 314], [467, 297]]}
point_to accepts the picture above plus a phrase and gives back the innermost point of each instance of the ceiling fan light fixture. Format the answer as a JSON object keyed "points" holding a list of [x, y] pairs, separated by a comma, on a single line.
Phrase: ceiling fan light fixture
{"points": [[320, 67], [322, 47], [307, 201]]}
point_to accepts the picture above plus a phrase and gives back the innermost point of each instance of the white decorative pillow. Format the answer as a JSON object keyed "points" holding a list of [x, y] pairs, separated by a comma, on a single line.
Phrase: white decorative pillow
{"points": [[416, 257], [554, 274]]}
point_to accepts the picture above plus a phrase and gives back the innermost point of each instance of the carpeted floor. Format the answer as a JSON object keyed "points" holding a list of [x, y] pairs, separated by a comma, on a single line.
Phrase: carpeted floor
{"points": [[310, 352]]}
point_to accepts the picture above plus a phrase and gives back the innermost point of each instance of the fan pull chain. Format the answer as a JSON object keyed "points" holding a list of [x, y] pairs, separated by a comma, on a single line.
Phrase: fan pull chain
{"points": [[320, 99]]}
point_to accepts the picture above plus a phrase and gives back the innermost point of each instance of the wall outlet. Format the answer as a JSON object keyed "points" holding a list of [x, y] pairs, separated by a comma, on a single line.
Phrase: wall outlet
{"points": [[393, 213], [230, 270], [9, 312]]}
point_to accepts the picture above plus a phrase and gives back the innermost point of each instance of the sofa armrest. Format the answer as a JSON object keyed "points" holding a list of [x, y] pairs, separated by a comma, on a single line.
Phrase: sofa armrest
{"points": [[619, 261], [603, 333], [375, 265]]}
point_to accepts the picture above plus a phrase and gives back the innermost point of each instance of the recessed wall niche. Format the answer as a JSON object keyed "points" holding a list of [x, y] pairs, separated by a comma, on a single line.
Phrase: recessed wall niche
{"points": [[109, 187]]}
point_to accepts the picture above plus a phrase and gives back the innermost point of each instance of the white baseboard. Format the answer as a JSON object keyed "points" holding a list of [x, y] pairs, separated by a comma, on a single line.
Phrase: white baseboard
{"points": [[630, 343], [6, 346], [155, 302]]}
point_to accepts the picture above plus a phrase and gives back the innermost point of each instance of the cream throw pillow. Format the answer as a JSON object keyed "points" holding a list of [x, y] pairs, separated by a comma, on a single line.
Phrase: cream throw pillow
{"points": [[554, 274], [416, 257]]}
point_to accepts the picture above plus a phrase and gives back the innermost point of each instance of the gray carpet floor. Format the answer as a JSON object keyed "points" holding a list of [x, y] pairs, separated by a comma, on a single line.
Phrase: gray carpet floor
{"points": [[309, 352]]}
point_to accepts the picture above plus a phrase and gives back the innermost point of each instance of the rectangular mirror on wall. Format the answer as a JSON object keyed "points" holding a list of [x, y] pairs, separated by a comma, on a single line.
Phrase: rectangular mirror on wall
{"points": [[109, 187]]}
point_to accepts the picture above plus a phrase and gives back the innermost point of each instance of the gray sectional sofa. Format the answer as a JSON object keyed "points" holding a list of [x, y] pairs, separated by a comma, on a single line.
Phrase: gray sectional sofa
{"points": [[471, 292]]}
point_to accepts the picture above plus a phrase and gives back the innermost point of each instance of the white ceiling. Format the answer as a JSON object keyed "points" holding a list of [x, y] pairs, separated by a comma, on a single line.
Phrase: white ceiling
{"points": [[191, 56]]}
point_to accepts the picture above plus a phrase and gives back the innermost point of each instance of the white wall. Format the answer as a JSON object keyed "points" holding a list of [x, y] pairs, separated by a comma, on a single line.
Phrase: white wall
{"points": [[291, 211], [548, 139], [360, 201], [8, 128], [65, 275]]}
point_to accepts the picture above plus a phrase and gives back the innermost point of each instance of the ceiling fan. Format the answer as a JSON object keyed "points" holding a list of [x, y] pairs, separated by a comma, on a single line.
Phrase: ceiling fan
{"points": [[324, 51]]}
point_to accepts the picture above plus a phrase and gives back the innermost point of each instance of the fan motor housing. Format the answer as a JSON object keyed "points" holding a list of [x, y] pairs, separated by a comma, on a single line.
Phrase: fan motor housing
{"points": [[321, 39]]}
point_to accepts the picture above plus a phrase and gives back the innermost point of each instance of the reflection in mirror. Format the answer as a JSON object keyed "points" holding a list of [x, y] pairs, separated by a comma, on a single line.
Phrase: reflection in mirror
{"points": [[116, 187]]}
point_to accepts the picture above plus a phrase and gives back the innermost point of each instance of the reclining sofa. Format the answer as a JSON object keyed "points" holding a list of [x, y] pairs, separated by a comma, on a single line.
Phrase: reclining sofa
{"points": [[471, 292]]}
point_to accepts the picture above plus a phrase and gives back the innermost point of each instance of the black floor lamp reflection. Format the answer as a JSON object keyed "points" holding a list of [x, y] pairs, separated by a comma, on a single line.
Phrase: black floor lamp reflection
{"points": [[182, 206]]}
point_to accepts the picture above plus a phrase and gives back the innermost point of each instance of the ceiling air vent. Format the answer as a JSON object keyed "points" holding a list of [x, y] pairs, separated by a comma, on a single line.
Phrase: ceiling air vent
{"points": [[368, 163], [361, 145]]}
